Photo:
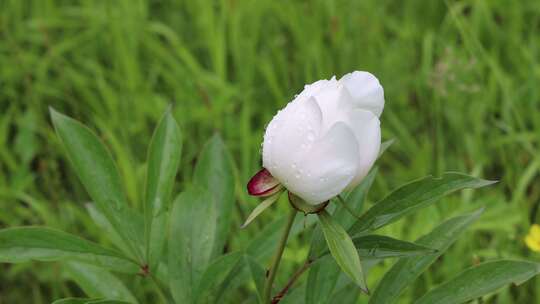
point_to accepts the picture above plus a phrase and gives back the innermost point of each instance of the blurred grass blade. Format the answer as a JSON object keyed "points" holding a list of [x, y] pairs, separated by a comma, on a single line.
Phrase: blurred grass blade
{"points": [[98, 173], [382, 247], [191, 240], [342, 249], [24, 244], [412, 197], [406, 270], [163, 160], [214, 275], [261, 207], [214, 171], [98, 283], [480, 280]]}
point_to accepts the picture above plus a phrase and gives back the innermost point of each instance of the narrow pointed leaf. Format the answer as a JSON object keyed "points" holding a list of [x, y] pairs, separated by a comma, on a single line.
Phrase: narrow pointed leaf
{"points": [[99, 175], [23, 244], [107, 301], [322, 279], [103, 223], [412, 197], [260, 208], [355, 200], [73, 301], [257, 274], [191, 240], [342, 249], [214, 275], [214, 171], [323, 275], [96, 282], [163, 160], [382, 247], [480, 280], [88, 301], [385, 145], [407, 269]]}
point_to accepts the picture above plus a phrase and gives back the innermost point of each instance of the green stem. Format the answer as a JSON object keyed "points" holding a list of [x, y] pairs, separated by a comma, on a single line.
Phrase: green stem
{"points": [[277, 258]]}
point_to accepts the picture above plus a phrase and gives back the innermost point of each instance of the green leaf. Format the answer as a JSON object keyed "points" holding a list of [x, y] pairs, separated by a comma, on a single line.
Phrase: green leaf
{"points": [[99, 175], [88, 301], [323, 275], [342, 249], [23, 244], [269, 201], [214, 275], [480, 280], [412, 197], [163, 160], [191, 239], [257, 274], [382, 247], [98, 283], [101, 221], [406, 270], [261, 248], [214, 171], [72, 301], [322, 278], [107, 301]]}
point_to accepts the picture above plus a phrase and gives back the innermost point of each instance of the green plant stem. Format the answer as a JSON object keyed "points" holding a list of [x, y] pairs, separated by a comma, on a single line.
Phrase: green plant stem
{"points": [[292, 280], [277, 258]]}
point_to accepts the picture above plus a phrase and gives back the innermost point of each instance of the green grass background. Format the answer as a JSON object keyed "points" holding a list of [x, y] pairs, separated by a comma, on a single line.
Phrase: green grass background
{"points": [[461, 82]]}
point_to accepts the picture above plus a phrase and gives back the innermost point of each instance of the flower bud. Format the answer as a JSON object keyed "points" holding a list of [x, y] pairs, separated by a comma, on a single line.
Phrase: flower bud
{"points": [[325, 140], [263, 184]]}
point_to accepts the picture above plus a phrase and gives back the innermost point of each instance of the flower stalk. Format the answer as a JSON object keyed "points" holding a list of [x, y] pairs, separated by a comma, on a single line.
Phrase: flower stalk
{"points": [[277, 258]]}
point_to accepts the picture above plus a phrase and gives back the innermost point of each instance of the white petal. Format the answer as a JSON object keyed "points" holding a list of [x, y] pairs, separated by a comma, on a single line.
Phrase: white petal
{"points": [[328, 167], [367, 130], [314, 88], [289, 136], [366, 91], [335, 102]]}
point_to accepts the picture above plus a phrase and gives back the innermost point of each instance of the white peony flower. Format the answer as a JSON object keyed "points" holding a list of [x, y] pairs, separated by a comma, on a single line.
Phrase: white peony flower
{"points": [[325, 140]]}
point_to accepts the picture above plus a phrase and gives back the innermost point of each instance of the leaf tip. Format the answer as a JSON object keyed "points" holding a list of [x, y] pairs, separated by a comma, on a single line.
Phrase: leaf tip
{"points": [[54, 114]]}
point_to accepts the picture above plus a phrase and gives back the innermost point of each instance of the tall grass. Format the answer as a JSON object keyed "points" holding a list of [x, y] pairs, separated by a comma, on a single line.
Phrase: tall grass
{"points": [[461, 86]]}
